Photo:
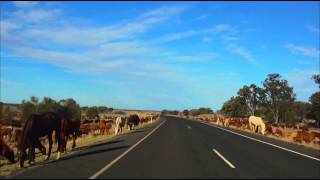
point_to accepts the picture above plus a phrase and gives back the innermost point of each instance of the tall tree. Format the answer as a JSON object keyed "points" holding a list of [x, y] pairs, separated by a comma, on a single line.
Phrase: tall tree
{"points": [[278, 94], [316, 79], [301, 110], [47, 105], [315, 101], [27, 108], [252, 96], [234, 107], [70, 109]]}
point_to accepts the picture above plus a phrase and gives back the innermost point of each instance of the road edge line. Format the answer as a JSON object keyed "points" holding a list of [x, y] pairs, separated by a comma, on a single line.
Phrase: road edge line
{"points": [[94, 176], [254, 139]]}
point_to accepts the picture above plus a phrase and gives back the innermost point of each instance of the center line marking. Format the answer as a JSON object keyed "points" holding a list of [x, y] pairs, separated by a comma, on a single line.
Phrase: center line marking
{"points": [[123, 154], [224, 159]]}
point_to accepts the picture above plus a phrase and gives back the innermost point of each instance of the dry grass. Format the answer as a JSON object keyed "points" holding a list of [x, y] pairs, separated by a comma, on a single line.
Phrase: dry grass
{"points": [[7, 168]]}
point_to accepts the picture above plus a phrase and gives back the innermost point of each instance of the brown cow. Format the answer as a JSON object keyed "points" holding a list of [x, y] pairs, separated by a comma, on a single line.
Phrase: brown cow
{"points": [[103, 127], [6, 151], [85, 129], [6, 133], [70, 127]]}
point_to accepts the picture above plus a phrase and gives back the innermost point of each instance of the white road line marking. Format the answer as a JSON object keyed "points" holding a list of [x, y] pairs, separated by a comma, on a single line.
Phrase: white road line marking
{"points": [[123, 154], [189, 127], [224, 159], [289, 150]]}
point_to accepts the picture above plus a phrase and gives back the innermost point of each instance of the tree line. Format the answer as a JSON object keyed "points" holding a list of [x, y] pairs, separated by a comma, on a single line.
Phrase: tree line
{"points": [[186, 112], [68, 107], [275, 101]]}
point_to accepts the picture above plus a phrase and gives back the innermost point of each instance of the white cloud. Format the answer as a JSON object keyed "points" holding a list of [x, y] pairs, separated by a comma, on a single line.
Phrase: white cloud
{"points": [[7, 26], [82, 36], [302, 50], [207, 39], [230, 38], [220, 28], [313, 29], [35, 15], [103, 49], [194, 58], [246, 54], [202, 17], [25, 4], [177, 36], [6, 82], [302, 82]]}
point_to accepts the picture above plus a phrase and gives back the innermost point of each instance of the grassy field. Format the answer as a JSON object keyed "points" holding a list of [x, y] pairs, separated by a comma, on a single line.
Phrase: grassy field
{"points": [[6, 168]]}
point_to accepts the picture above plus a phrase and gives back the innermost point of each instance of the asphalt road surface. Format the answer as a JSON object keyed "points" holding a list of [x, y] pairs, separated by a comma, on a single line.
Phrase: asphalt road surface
{"points": [[176, 148]]}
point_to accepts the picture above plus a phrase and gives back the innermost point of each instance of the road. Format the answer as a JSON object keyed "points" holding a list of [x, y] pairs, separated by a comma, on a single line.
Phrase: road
{"points": [[176, 148]]}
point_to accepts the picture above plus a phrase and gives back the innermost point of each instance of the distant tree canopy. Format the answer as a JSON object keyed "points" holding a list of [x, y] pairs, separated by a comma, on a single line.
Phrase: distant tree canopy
{"points": [[47, 105], [94, 111], [66, 107], [315, 101], [6, 112], [29, 107], [168, 112], [279, 95], [234, 107], [252, 96], [185, 112], [202, 110], [316, 79], [70, 109], [275, 101]]}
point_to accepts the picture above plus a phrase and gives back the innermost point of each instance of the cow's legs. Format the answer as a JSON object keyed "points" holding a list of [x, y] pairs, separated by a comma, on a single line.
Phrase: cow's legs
{"points": [[116, 130], [31, 153], [65, 141], [61, 142], [74, 137], [50, 146]]}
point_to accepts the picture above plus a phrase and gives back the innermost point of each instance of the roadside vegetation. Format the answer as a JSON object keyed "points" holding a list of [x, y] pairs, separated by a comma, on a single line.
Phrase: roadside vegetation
{"points": [[275, 101]]}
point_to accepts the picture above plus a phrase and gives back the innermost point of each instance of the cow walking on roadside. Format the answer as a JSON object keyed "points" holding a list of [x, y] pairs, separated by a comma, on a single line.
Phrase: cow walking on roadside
{"points": [[38, 126], [256, 123], [120, 123]]}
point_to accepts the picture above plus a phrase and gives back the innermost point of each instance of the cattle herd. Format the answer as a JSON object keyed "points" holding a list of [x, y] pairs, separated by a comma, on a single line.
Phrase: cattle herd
{"points": [[53, 127], [306, 132]]}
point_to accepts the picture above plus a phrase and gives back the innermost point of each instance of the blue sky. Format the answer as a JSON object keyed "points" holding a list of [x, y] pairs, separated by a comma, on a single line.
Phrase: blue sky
{"points": [[155, 55]]}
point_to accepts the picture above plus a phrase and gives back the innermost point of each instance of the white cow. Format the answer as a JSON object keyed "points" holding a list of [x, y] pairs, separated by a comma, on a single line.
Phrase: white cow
{"points": [[255, 122], [120, 123]]}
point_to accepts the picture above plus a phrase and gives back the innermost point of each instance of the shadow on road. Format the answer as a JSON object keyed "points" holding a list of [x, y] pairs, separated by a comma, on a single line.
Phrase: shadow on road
{"points": [[93, 152], [140, 131], [97, 145]]}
